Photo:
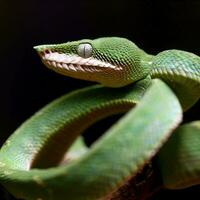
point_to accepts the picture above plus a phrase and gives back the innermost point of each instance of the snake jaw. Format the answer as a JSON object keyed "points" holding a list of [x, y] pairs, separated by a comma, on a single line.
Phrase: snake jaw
{"points": [[82, 68]]}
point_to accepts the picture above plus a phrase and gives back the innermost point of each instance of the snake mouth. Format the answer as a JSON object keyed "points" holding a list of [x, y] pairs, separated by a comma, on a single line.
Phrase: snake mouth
{"points": [[72, 63], [90, 69]]}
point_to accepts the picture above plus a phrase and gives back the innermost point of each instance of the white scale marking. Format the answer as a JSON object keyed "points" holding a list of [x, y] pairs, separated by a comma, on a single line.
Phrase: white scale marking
{"points": [[75, 62]]}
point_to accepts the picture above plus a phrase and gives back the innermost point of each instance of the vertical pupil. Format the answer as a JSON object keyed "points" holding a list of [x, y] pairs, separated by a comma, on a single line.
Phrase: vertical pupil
{"points": [[84, 51]]}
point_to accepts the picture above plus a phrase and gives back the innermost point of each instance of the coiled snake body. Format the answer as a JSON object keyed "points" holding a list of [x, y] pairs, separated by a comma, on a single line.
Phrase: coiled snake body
{"points": [[31, 159]]}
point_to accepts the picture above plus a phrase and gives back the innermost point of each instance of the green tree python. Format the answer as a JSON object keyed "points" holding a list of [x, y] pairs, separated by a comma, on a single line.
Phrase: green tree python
{"points": [[155, 90]]}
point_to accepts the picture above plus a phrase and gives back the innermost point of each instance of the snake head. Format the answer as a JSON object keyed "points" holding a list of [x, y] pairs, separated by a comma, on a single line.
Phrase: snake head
{"points": [[111, 61]]}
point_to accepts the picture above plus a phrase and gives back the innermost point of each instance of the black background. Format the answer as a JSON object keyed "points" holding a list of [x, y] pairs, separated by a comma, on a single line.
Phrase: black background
{"points": [[26, 85]]}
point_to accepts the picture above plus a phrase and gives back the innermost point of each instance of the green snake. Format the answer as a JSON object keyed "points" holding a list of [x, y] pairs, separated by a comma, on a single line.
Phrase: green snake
{"points": [[34, 164]]}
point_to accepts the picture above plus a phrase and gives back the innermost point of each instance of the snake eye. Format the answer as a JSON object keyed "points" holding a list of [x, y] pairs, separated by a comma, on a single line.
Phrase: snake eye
{"points": [[84, 50]]}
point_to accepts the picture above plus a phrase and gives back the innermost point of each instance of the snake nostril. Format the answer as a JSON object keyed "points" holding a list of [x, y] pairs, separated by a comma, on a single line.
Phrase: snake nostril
{"points": [[47, 51]]}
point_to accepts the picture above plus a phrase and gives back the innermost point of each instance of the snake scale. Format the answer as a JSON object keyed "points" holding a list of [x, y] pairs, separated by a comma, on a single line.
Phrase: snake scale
{"points": [[153, 90]]}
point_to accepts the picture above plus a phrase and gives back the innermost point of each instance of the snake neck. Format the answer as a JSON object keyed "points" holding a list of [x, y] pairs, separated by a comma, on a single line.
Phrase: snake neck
{"points": [[181, 71]]}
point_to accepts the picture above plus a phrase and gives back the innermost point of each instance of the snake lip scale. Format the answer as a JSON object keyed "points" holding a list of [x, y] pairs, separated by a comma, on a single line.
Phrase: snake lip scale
{"points": [[75, 63]]}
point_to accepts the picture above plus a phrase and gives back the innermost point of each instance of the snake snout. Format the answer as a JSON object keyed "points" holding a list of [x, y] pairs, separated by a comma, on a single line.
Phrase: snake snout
{"points": [[42, 50]]}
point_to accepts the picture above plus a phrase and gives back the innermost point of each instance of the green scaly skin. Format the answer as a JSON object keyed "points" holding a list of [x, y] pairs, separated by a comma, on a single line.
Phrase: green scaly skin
{"points": [[31, 160]]}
